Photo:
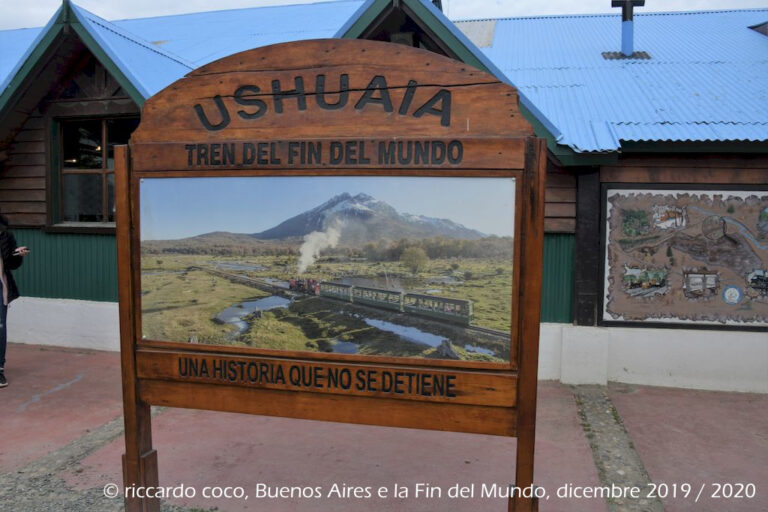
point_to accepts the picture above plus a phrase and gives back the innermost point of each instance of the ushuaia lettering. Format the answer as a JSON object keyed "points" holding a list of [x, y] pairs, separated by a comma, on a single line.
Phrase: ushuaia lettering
{"points": [[252, 102]]}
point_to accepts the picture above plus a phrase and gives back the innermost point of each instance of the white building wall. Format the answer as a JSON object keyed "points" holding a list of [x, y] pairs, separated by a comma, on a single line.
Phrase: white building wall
{"points": [[64, 323], [697, 359]]}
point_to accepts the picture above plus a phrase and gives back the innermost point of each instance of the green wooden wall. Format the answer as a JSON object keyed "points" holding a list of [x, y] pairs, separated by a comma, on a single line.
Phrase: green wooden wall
{"points": [[84, 267], [557, 285], [65, 266]]}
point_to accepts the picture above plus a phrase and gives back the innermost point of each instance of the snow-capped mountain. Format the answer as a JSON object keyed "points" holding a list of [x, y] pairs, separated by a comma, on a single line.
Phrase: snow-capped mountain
{"points": [[362, 218]]}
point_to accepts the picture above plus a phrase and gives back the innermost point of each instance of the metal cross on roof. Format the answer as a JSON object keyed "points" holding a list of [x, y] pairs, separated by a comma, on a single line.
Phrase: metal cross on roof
{"points": [[627, 6]]}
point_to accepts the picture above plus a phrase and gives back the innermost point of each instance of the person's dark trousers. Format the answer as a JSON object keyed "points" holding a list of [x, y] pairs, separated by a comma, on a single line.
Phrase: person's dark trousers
{"points": [[3, 328]]}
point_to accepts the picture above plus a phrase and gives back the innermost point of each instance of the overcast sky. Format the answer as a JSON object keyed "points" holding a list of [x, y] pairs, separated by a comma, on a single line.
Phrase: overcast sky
{"points": [[36, 13]]}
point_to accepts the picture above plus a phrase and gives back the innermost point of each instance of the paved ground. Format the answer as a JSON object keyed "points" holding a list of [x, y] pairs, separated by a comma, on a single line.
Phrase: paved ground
{"points": [[62, 440]]}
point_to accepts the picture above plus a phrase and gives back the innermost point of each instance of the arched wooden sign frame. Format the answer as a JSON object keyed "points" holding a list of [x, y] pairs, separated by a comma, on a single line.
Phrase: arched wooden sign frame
{"points": [[353, 104]]}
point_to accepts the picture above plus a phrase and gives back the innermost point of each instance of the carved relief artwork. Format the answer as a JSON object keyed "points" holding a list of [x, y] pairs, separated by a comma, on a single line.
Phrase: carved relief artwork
{"points": [[686, 256]]}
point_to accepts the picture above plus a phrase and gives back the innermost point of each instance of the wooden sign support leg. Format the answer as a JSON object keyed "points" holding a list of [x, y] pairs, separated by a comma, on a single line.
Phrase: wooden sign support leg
{"points": [[530, 292], [140, 460], [524, 472]]}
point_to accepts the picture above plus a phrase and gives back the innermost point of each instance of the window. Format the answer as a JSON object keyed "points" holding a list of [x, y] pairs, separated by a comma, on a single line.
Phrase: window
{"points": [[87, 168]]}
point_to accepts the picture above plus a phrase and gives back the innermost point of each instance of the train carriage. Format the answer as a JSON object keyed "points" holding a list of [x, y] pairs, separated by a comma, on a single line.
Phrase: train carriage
{"points": [[390, 299], [457, 311], [336, 290], [444, 308]]}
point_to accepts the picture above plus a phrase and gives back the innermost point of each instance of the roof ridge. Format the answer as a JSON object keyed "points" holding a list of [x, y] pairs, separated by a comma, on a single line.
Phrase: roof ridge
{"points": [[20, 29], [613, 64], [614, 14], [121, 32], [679, 123], [464, 20], [233, 9]]}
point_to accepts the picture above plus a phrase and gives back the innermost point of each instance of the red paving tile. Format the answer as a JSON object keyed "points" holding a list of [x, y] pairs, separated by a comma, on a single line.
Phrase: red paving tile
{"points": [[58, 395], [699, 437], [201, 448], [55, 396]]}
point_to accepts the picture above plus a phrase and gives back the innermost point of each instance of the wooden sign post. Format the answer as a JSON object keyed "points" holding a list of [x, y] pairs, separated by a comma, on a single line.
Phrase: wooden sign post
{"points": [[344, 306]]}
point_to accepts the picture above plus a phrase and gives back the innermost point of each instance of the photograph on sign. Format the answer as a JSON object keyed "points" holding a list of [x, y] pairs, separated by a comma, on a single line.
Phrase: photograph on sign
{"points": [[380, 266], [687, 256]]}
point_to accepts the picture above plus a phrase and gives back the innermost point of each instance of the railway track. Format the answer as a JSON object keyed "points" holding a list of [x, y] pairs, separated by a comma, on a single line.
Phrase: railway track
{"points": [[485, 330], [248, 281]]}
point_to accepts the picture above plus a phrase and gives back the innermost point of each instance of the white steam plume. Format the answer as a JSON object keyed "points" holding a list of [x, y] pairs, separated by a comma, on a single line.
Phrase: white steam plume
{"points": [[315, 242]]}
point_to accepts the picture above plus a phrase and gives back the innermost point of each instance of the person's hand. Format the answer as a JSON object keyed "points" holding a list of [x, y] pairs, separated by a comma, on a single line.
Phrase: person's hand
{"points": [[21, 251]]}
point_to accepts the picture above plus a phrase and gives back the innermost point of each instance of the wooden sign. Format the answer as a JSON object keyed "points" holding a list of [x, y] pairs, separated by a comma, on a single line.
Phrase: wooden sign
{"points": [[333, 230]]}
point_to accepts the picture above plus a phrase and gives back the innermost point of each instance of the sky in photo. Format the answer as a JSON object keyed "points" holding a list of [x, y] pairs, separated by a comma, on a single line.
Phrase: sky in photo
{"points": [[182, 207]]}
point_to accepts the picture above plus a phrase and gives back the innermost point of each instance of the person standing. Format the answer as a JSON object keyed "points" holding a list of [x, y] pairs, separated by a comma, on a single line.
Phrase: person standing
{"points": [[11, 258]]}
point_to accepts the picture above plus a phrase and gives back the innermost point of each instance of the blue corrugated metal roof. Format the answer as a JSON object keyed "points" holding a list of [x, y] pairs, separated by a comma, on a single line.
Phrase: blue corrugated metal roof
{"points": [[13, 45], [494, 69], [155, 52], [207, 36], [707, 79], [16, 46], [148, 68]]}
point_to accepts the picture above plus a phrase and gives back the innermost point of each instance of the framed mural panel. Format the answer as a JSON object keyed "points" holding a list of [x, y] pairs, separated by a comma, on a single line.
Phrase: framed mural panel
{"points": [[685, 256], [331, 264]]}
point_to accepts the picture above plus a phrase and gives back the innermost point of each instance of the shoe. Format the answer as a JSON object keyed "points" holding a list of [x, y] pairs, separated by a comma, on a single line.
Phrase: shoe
{"points": [[3, 382]]}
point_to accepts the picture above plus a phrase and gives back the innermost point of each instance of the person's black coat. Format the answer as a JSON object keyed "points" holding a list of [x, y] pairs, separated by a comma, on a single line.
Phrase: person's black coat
{"points": [[10, 261]]}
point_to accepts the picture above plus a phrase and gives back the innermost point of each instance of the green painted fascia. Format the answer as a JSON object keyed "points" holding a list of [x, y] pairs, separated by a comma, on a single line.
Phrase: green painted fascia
{"points": [[105, 61], [565, 155], [695, 147], [366, 20], [570, 158], [587, 159]]}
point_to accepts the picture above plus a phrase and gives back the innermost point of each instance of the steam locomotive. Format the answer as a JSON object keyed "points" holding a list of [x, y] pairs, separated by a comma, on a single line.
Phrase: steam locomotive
{"points": [[308, 286]]}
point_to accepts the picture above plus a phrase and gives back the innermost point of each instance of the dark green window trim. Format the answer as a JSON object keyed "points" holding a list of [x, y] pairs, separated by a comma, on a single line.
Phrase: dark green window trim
{"points": [[53, 192]]}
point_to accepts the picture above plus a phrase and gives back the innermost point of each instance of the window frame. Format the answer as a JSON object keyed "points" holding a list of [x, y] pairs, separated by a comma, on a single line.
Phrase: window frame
{"points": [[57, 171]]}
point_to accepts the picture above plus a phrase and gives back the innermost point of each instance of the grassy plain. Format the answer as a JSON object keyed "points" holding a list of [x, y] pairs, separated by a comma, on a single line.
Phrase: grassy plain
{"points": [[179, 303]]}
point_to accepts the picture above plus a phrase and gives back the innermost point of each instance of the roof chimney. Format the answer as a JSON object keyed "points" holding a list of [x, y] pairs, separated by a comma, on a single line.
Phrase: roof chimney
{"points": [[627, 25]]}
